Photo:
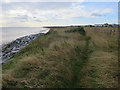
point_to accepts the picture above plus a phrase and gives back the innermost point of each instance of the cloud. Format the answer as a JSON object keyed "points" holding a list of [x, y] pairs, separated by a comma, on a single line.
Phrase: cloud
{"points": [[22, 18], [101, 12], [96, 14], [37, 20], [43, 13], [108, 10], [8, 1]]}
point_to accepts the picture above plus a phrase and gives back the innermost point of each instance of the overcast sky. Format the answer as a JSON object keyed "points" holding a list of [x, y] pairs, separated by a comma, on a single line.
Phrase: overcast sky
{"points": [[37, 14]]}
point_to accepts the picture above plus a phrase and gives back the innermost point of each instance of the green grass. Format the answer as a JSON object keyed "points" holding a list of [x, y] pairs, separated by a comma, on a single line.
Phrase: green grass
{"points": [[79, 30], [63, 58]]}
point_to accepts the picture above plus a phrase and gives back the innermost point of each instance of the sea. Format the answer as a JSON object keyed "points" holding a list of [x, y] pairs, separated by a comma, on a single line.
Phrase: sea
{"points": [[8, 34]]}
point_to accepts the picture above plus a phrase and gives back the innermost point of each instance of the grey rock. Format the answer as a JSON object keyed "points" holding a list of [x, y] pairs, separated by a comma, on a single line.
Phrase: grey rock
{"points": [[16, 45]]}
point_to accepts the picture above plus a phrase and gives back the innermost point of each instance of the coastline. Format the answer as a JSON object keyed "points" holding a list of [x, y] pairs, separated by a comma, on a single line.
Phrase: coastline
{"points": [[65, 52], [11, 48]]}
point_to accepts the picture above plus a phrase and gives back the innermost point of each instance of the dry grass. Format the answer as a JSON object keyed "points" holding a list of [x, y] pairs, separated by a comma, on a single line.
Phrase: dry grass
{"points": [[102, 68], [64, 60]]}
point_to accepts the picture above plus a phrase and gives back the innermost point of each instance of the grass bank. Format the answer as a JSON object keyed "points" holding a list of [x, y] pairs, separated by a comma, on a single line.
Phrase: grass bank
{"points": [[62, 58]]}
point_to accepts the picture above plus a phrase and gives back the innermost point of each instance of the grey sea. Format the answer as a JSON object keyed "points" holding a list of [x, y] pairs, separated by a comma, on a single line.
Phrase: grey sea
{"points": [[9, 34]]}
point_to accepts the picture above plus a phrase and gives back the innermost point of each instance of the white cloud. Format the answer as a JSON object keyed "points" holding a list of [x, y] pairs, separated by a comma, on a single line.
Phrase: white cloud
{"points": [[108, 10], [8, 1], [100, 13], [22, 15]]}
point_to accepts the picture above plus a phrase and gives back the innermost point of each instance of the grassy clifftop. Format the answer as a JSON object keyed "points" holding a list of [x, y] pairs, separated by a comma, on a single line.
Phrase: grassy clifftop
{"points": [[64, 57]]}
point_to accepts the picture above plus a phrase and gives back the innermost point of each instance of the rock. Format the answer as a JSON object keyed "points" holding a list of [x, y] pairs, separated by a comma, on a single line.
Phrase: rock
{"points": [[16, 45]]}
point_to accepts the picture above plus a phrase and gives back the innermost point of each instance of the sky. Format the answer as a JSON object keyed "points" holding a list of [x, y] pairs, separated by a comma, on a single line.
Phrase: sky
{"points": [[37, 14]]}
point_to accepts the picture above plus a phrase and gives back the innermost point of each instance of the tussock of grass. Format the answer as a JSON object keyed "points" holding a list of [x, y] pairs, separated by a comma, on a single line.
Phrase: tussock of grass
{"points": [[79, 30]]}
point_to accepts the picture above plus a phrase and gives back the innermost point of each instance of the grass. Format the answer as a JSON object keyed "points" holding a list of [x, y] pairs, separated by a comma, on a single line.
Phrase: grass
{"points": [[101, 70], [79, 30], [65, 58]]}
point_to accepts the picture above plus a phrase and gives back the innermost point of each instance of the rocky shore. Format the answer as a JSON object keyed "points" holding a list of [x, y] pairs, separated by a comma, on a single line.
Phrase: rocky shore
{"points": [[15, 46]]}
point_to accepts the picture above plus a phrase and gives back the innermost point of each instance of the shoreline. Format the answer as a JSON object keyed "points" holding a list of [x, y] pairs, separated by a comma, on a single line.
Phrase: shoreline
{"points": [[13, 47]]}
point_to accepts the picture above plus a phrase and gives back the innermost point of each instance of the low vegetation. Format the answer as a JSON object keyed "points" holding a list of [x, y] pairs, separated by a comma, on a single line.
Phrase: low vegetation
{"points": [[79, 30], [65, 58]]}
